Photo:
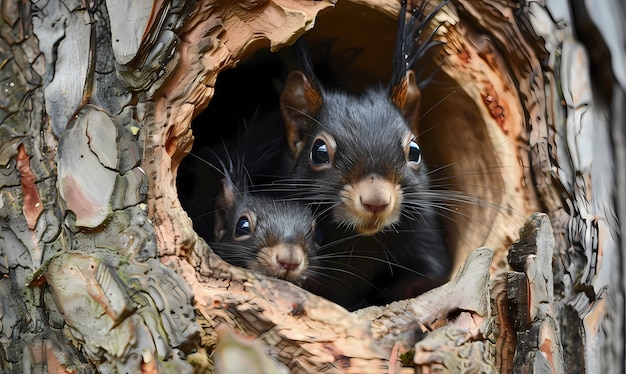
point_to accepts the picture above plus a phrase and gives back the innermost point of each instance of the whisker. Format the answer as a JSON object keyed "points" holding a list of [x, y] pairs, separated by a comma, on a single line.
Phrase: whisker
{"points": [[371, 258], [324, 273]]}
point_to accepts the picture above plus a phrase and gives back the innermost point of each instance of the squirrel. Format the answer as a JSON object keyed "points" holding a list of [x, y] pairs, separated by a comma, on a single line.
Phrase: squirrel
{"points": [[246, 228], [356, 160], [273, 237]]}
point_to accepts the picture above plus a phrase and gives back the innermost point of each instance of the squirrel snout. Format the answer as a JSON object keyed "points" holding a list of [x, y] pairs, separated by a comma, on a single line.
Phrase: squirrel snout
{"points": [[375, 194], [289, 257], [288, 264], [369, 205], [374, 208]]}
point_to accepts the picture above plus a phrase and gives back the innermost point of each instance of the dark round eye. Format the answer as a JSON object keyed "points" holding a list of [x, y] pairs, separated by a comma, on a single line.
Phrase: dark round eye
{"points": [[415, 153], [318, 235], [242, 228], [319, 153]]}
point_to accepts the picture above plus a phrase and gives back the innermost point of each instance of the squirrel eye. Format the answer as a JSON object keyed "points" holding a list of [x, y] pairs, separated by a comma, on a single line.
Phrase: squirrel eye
{"points": [[415, 153], [242, 228], [318, 235], [319, 153]]}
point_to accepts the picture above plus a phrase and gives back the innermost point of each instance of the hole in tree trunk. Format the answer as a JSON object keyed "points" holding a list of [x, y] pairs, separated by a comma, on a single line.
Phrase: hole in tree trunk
{"points": [[352, 46]]}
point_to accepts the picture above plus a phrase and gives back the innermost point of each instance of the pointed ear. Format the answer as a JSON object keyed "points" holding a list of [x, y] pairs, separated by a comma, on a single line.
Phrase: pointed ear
{"points": [[406, 95], [224, 203], [300, 101]]}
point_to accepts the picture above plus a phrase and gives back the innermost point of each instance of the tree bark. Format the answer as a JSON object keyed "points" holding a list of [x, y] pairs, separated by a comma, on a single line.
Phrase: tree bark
{"points": [[102, 269]]}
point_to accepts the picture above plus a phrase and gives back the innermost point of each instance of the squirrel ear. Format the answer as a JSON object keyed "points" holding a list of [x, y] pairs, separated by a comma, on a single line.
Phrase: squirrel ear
{"points": [[300, 101], [406, 95], [223, 203]]}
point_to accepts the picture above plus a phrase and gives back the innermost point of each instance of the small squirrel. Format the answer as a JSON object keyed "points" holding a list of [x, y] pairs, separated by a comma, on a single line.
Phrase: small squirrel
{"points": [[271, 236], [357, 161], [244, 227]]}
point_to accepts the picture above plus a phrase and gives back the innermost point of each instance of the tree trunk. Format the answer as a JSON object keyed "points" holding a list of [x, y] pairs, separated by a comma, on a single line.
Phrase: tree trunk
{"points": [[102, 269]]}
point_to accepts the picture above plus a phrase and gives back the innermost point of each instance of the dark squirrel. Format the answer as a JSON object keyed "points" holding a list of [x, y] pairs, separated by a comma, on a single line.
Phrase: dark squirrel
{"points": [[273, 237], [357, 161], [245, 227]]}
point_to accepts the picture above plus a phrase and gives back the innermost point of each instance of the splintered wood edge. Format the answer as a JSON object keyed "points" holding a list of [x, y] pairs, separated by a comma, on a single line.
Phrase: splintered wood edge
{"points": [[529, 300], [468, 290]]}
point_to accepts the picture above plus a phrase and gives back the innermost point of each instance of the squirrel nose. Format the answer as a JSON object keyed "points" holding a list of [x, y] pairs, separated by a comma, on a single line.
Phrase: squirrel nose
{"points": [[288, 258], [288, 265], [375, 193], [374, 206]]}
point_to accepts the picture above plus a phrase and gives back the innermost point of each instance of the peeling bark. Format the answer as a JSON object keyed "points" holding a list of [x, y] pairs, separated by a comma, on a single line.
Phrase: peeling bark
{"points": [[101, 269]]}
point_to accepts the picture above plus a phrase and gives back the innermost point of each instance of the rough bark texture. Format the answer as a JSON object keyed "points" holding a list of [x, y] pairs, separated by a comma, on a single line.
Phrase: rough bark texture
{"points": [[101, 266]]}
